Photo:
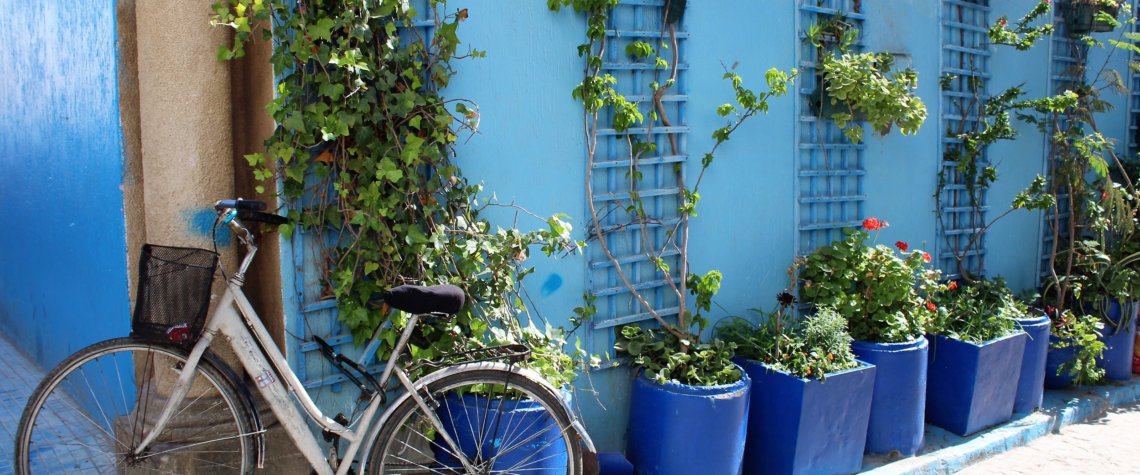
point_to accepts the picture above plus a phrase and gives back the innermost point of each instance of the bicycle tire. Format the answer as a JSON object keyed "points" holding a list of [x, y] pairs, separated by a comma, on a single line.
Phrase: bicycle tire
{"points": [[525, 417], [91, 410]]}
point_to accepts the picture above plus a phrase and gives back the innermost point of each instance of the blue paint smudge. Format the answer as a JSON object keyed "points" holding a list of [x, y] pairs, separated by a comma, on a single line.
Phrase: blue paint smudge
{"points": [[552, 284], [201, 222]]}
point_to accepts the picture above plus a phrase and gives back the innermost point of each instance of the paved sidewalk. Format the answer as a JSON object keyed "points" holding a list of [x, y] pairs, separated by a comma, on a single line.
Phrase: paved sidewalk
{"points": [[18, 378], [1109, 444]]}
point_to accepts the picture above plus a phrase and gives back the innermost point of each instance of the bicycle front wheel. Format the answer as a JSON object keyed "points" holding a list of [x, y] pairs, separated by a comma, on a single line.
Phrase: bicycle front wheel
{"points": [[502, 423], [91, 412]]}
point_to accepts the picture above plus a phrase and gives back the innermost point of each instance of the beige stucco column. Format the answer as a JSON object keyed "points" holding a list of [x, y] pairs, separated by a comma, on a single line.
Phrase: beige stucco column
{"points": [[185, 120]]}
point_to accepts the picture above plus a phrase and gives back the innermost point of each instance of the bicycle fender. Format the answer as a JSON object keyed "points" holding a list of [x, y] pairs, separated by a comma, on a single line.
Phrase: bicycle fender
{"points": [[374, 432]]}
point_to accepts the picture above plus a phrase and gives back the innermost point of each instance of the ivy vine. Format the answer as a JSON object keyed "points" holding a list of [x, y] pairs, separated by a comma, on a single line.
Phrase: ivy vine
{"points": [[363, 153]]}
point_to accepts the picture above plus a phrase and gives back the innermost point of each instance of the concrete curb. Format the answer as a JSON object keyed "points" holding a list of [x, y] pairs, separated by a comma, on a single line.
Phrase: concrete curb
{"points": [[948, 453]]}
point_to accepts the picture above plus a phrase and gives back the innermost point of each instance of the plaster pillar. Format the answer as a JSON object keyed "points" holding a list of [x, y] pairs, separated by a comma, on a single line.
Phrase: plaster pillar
{"points": [[185, 122]]}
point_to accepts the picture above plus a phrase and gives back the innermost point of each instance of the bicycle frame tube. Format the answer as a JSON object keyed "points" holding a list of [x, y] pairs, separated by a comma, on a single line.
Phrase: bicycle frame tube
{"points": [[235, 318]]}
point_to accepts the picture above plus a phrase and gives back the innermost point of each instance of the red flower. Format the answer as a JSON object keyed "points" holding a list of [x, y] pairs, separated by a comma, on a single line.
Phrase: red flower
{"points": [[1002, 22], [953, 285], [926, 256], [930, 306], [902, 246], [874, 224]]}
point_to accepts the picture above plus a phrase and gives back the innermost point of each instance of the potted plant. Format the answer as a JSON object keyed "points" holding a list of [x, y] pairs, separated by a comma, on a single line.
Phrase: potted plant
{"points": [[884, 294], [1109, 284], [1074, 347], [853, 87], [811, 399], [975, 357], [1091, 16], [688, 404]]}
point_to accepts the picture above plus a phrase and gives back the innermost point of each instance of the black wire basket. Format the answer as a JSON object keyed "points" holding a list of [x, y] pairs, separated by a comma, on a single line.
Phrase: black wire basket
{"points": [[173, 293]]}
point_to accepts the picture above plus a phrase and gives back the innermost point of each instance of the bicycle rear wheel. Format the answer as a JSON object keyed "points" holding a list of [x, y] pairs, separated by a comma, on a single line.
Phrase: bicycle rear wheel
{"points": [[502, 422], [91, 412]]}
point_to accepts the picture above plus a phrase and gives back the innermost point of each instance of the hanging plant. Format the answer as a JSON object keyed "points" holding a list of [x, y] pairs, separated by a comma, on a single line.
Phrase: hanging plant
{"points": [[853, 87]]}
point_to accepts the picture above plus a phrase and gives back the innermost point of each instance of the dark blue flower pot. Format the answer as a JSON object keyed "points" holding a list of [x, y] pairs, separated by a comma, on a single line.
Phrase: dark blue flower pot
{"points": [[971, 386], [898, 403], [804, 425], [1118, 341], [1056, 358], [1031, 382], [529, 437], [681, 429]]}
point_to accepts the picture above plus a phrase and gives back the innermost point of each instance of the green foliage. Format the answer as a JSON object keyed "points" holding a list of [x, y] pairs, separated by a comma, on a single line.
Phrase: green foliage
{"points": [[1081, 332], [664, 357], [873, 287], [811, 348], [1022, 35], [363, 152], [977, 312], [679, 343], [991, 122], [1092, 258], [864, 84]]}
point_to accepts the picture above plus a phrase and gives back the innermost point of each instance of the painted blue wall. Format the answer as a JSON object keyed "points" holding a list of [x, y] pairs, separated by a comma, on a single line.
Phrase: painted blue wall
{"points": [[63, 277], [530, 150]]}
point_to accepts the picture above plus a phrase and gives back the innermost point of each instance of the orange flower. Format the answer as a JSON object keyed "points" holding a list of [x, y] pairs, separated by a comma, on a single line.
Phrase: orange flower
{"points": [[953, 285], [930, 306], [926, 256]]}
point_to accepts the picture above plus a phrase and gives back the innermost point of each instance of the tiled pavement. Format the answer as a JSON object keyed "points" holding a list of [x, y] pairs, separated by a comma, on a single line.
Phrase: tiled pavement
{"points": [[1105, 444], [18, 377]]}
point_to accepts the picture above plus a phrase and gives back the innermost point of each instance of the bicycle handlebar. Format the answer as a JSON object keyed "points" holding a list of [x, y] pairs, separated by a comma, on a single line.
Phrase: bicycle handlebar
{"points": [[260, 217], [240, 204]]}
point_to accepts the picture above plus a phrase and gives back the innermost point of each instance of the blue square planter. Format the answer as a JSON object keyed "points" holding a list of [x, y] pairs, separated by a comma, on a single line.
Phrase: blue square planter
{"points": [[806, 426], [970, 387]]}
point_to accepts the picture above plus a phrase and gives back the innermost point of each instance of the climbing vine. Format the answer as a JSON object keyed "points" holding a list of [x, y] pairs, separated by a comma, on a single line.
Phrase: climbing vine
{"points": [[674, 352], [993, 123], [363, 153]]}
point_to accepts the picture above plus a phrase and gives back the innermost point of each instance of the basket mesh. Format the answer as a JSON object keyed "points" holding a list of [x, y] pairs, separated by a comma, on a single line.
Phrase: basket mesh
{"points": [[174, 288]]}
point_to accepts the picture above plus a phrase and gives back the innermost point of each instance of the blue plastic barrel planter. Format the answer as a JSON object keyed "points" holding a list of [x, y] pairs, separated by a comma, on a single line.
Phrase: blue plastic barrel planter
{"points": [[1118, 342], [898, 403], [971, 386], [1056, 358], [804, 425], [529, 438], [1031, 382], [677, 429]]}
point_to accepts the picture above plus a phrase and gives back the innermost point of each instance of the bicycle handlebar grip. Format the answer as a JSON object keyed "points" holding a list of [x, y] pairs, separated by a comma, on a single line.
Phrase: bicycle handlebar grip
{"points": [[267, 218], [240, 204]]}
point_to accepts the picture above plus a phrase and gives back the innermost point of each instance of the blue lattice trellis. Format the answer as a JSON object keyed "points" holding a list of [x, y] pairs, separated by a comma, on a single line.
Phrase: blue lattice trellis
{"points": [[829, 171], [1133, 139], [657, 177], [965, 65], [1066, 72]]}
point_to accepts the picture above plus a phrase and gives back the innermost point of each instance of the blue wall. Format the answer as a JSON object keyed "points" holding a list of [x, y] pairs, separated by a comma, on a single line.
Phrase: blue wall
{"points": [[63, 277], [530, 150]]}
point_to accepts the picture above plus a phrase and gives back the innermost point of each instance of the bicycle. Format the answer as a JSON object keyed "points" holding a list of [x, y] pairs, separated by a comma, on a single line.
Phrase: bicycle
{"points": [[161, 400]]}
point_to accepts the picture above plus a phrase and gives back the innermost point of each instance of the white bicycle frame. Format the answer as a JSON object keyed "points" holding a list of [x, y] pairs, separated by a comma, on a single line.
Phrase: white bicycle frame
{"points": [[235, 318]]}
